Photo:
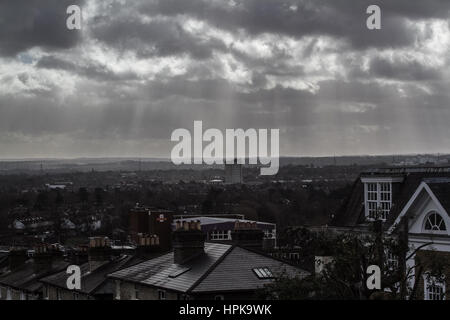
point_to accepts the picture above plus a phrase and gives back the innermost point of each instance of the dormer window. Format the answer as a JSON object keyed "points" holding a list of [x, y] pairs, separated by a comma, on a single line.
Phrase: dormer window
{"points": [[377, 197], [379, 200]]}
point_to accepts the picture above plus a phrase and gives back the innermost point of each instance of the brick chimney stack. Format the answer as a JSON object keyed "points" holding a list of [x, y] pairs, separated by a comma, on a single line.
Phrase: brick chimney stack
{"points": [[147, 244], [99, 249], [78, 255], [188, 241], [44, 255], [17, 257], [247, 234]]}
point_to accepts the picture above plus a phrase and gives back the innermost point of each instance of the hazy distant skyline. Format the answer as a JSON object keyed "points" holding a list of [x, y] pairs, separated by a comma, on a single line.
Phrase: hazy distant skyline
{"points": [[140, 69]]}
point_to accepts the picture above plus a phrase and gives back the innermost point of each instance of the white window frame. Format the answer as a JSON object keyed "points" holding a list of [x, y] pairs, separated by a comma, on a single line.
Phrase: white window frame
{"points": [[117, 290], [46, 292], [392, 260], [162, 295], [136, 292], [377, 198], [432, 282], [434, 231], [220, 235], [270, 233]]}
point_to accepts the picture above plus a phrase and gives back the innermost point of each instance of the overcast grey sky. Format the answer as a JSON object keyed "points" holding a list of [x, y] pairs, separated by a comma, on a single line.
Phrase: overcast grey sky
{"points": [[139, 69]]}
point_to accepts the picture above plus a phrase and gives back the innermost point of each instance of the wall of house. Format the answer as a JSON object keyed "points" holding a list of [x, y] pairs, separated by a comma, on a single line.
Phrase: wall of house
{"points": [[55, 293], [7, 293], [424, 257], [250, 295], [128, 292], [424, 209]]}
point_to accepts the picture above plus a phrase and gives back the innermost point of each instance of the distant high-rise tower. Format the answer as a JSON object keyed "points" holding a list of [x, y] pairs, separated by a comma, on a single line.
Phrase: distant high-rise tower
{"points": [[233, 173]]}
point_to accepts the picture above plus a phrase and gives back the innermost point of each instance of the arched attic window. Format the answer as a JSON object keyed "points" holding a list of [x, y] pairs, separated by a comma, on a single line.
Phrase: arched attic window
{"points": [[434, 222]]}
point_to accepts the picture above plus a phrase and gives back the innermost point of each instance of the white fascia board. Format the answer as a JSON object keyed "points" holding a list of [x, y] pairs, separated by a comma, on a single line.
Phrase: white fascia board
{"points": [[407, 206], [436, 200], [381, 179], [422, 186], [425, 238]]}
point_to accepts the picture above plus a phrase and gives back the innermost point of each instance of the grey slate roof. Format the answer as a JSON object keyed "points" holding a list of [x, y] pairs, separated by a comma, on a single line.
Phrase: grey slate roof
{"points": [[441, 190], [3, 258], [25, 278], [155, 272], [222, 268], [92, 277], [234, 272]]}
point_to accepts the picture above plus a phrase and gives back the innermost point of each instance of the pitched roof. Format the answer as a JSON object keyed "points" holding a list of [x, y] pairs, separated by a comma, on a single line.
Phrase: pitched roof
{"points": [[26, 278], [222, 268], [210, 223], [93, 274], [160, 271], [3, 258], [352, 212], [235, 272], [441, 189]]}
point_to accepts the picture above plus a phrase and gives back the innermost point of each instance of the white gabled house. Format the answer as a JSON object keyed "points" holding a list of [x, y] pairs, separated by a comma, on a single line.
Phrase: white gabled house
{"points": [[421, 196]]}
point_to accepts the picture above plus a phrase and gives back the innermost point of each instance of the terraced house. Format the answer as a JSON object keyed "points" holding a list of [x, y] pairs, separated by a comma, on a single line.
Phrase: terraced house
{"points": [[196, 269]]}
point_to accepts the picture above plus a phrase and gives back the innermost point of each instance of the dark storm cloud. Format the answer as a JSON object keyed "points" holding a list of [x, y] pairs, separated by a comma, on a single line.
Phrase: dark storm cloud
{"points": [[403, 69], [222, 90], [146, 69], [153, 38], [153, 109], [25, 24], [92, 70], [277, 65], [345, 19], [121, 26]]}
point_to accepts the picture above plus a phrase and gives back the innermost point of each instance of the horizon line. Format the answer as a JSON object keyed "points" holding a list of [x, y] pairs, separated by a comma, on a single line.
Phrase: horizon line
{"points": [[156, 158]]}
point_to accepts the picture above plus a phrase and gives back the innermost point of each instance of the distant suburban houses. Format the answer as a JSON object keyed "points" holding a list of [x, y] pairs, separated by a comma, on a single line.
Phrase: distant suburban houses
{"points": [[225, 256]]}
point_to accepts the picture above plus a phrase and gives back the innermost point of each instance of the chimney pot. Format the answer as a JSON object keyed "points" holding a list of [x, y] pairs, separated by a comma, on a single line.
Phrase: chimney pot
{"points": [[43, 257], [16, 258], [100, 249]]}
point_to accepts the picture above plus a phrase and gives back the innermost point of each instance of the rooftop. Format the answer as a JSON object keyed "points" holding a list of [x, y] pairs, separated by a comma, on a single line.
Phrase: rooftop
{"points": [[214, 220], [93, 274], [221, 268], [26, 278], [438, 178]]}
